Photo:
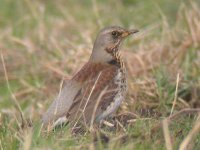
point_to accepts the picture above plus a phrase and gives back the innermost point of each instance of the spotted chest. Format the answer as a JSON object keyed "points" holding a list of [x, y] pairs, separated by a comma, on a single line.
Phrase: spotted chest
{"points": [[121, 88]]}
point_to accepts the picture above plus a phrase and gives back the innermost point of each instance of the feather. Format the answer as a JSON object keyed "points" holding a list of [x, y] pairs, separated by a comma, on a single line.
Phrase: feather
{"points": [[62, 103]]}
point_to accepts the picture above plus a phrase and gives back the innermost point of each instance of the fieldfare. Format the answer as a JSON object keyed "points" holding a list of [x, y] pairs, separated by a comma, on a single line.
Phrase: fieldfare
{"points": [[98, 89]]}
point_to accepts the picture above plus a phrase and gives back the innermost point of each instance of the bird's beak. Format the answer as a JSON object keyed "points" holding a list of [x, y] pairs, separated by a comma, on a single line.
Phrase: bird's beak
{"points": [[129, 32]]}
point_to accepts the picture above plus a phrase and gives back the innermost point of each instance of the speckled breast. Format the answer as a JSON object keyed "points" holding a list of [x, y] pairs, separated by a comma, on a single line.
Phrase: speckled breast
{"points": [[120, 81]]}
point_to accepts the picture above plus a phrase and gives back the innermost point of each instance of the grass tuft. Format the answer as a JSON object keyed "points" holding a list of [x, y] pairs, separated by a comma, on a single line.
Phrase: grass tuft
{"points": [[44, 42]]}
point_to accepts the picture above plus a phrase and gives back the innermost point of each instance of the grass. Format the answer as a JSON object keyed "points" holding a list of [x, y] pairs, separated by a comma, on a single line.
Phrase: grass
{"points": [[42, 41]]}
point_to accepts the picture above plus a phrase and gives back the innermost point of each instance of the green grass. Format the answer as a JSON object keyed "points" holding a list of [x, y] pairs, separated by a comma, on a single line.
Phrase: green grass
{"points": [[43, 40]]}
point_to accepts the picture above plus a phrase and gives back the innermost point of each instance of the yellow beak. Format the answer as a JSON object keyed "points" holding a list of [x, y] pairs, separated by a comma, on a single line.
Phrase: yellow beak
{"points": [[129, 32]]}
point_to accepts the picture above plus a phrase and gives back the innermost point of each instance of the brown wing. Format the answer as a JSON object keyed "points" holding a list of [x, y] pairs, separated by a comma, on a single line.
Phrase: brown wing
{"points": [[97, 92]]}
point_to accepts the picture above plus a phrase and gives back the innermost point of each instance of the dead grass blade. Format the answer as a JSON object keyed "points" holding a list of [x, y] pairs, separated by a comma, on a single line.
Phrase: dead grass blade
{"points": [[176, 115], [27, 140], [13, 98], [191, 135], [166, 133], [176, 93]]}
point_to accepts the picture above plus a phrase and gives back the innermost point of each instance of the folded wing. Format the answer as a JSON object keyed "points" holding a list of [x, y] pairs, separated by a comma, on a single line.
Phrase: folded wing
{"points": [[62, 103]]}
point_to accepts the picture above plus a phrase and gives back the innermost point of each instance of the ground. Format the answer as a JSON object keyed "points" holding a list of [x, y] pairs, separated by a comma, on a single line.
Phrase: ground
{"points": [[42, 42]]}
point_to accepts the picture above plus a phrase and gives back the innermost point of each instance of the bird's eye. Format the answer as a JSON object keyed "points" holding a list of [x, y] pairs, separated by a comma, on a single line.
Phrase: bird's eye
{"points": [[115, 34]]}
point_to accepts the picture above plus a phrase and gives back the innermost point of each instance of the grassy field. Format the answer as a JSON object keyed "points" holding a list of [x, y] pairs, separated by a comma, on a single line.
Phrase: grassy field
{"points": [[43, 41]]}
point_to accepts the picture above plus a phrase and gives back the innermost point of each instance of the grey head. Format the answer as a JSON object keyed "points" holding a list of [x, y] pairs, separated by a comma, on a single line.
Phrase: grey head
{"points": [[108, 41]]}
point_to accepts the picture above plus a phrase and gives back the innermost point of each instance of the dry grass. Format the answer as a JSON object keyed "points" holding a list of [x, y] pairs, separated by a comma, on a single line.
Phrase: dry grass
{"points": [[49, 43]]}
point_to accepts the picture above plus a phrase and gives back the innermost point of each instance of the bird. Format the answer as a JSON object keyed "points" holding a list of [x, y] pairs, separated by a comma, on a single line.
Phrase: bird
{"points": [[97, 90]]}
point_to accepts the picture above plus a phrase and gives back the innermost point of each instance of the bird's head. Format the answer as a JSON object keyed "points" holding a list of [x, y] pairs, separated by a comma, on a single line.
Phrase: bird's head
{"points": [[108, 41]]}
